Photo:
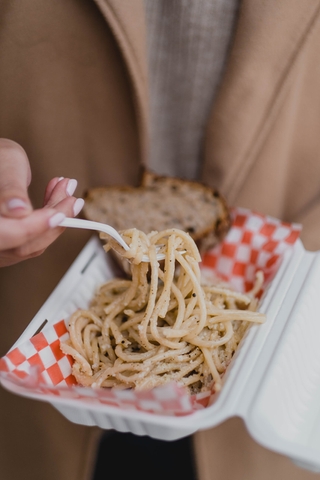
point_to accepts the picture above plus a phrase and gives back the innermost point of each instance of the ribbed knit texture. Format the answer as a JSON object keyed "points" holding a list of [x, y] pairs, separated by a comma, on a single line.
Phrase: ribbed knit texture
{"points": [[188, 43]]}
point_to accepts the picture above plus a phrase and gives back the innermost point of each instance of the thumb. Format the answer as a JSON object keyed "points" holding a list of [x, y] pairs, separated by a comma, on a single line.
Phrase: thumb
{"points": [[15, 176]]}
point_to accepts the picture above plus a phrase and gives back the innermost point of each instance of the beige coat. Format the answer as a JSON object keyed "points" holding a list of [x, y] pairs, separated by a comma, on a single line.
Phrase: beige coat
{"points": [[74, 94]]}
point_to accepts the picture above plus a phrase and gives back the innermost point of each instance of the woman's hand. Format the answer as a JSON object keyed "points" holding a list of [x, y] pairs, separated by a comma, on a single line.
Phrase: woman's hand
{"points": [[25, 232]]}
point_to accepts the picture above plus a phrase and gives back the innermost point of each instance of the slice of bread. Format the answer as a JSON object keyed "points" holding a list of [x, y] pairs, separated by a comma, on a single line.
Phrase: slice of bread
{"points": [[159, 203]]}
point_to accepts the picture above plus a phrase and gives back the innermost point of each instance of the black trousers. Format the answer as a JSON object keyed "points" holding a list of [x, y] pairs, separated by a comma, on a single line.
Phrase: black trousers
{"points": [[126, 456]]}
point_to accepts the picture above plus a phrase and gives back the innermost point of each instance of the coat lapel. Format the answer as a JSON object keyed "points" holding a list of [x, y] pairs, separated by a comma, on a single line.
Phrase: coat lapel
{"points": [[267, 40], [126, 18], [269, 34]]}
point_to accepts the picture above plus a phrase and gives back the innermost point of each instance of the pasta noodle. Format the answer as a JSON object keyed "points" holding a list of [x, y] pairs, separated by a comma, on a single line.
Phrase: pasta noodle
{"points": [[162, 324]]}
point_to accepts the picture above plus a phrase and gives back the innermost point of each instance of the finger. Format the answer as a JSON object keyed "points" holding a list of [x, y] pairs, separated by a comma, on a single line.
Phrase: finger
{"points": [[63, 189], [15, 177], [53, 182], [15, 233], [20, 253], [69, 207]]}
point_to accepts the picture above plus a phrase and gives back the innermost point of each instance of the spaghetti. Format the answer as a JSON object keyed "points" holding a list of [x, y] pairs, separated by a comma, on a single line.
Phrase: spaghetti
{"points": [[162, 324]]}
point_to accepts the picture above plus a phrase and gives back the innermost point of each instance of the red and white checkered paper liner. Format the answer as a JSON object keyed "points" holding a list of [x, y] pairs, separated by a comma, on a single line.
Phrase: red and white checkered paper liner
{"points": [[38, 366], [255, 242]]}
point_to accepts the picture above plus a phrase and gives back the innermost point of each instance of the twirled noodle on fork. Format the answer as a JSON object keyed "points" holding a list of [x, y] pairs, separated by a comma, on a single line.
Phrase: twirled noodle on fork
{"points": [[162, 324]]}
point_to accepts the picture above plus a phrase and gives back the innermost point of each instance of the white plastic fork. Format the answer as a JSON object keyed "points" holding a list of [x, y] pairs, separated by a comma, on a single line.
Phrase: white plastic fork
{"points": [[102, 227]]}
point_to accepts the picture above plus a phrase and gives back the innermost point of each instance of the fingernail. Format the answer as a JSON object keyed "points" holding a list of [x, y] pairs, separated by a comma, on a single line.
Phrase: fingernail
{"points": [[77, 206], [60, 178], [72, 185], [16, 203], [56, 219]]}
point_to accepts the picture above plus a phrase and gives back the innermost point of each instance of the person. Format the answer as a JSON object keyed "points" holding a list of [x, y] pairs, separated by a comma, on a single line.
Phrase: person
{"points": [[87, 91]]}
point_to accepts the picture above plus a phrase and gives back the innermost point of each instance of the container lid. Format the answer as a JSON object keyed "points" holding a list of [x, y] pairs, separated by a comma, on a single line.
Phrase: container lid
{"points": [[283, 410]]}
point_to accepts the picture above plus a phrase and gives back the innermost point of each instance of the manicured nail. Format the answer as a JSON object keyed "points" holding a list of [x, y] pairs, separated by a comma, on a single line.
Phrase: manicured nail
{"points": [[72, 185], [60, 178], [16, 203], [77, 206], [56, 219]]}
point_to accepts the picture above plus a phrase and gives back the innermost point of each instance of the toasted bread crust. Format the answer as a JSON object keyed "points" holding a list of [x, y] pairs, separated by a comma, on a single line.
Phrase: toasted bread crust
{"points": [[159, 203]]}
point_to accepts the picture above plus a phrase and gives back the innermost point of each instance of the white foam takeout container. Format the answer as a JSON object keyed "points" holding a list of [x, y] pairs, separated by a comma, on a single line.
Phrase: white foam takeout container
{"points": [[273, 382]]}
